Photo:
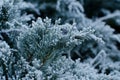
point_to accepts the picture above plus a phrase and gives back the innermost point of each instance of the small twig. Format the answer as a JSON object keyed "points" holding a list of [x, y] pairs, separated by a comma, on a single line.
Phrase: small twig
{"points": [[10, 30], [115, 14]]}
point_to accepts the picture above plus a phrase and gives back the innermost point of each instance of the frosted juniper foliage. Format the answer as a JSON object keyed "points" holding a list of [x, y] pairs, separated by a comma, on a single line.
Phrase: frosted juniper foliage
{"points": [[59, 39]]}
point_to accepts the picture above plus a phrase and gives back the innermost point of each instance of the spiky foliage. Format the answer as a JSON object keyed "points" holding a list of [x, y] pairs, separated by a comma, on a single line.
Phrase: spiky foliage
{"points": [[11, 16], [75, 70], [46, 41], [12, 19], [48, 50]]}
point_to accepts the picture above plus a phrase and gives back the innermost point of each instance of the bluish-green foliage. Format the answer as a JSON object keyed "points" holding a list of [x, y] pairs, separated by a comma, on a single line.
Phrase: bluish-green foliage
{"points": [[59, 40], [45, 40]]}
